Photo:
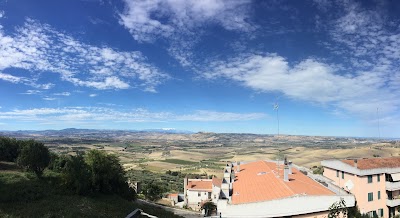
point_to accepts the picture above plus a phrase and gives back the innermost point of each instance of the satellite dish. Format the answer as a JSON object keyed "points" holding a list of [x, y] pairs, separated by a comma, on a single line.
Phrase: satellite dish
{"points": [[349, 185]]}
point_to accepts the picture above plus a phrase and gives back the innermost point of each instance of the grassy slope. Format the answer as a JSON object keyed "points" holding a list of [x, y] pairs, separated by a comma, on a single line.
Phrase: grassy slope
{"points": [[23, 195]]}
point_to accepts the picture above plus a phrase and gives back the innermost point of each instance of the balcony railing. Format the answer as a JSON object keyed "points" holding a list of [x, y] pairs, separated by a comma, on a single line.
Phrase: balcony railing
{"points": [[394, 202], [392, 186]]}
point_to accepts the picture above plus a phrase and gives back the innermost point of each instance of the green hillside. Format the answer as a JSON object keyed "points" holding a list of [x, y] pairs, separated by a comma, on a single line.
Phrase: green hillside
{"points": [[23, 194]]}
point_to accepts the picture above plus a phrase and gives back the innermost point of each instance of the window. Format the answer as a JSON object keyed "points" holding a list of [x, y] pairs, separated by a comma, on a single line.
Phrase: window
{"points": [[374, 214], [380, 212], [342, 175], [198, 194], [379, 178], [370, 179], [379, 195], [370, 196], [337, 173]]}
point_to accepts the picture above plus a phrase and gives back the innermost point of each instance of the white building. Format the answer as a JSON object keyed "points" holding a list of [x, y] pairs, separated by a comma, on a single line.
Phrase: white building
{"points": [[198, 191]]}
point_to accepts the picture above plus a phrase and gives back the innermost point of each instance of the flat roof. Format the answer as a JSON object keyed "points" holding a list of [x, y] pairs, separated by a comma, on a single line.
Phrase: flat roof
{"points": [[263, 181], [374, 163]]}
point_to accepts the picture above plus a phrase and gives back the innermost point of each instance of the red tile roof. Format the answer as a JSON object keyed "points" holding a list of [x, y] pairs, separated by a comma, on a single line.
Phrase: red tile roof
{"points": [[200, 184], [263, 181], [373, 163]]}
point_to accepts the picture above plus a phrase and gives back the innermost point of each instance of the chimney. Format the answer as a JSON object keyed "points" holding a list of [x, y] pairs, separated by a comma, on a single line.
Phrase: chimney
{"points": [[290, 167], [185, 184], [238, 167], [355, 163], [286, 171]]}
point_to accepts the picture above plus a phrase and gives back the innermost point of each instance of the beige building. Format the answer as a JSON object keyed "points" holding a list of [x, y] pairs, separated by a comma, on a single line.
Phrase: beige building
{"points": [[273, 189], [375, 182]]}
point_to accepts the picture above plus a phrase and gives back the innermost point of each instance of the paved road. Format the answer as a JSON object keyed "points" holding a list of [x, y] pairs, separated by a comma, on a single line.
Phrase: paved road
{"points": [[180, 212]]}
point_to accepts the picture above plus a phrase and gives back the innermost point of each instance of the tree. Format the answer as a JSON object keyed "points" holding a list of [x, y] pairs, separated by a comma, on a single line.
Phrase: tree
{"points": [[209, 207], [34, 156], [9, 149], [338, 208], [107, 174], [153, 191]]}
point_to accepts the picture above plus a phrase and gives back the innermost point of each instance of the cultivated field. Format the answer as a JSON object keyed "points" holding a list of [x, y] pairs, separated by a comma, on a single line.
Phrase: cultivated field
{"points": [[210, 158]]}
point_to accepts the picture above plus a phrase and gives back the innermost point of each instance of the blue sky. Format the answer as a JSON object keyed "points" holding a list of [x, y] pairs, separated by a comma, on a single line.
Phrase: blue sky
{"points": [[212, 65]]}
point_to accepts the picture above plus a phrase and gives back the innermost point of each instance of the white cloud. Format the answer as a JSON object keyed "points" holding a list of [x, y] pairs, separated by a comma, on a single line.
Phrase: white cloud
{"points": [[181, 21], [92, 95], [1, 14], [95, 114], [309, 80], [63, 94], [39, 47], [153, 18]]}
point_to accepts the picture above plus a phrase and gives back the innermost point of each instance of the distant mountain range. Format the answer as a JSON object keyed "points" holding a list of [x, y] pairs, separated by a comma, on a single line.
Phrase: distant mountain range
{"points": [[173, 135], [74, 131]]}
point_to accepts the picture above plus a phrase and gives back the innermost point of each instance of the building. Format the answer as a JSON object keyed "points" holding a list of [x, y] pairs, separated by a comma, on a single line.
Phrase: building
{"points": [[198, 191], [273, 189], [174, 198], [375, 182]]}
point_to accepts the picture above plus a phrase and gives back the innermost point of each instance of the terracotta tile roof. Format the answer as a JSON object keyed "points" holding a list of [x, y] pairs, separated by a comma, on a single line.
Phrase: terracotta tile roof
{"points": [[373, 163], [173, 195], [217, 182], [200, 184], [263, 181]]}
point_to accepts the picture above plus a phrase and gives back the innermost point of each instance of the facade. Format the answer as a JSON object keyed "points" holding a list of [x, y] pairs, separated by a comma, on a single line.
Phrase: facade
{"points": [[272, 189], [375, 182], [174, 198], [198, 191]]}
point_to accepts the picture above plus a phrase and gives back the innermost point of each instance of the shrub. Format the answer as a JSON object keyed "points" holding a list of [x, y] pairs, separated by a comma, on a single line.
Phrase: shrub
{"points": [[76, 175], [57, 162]]}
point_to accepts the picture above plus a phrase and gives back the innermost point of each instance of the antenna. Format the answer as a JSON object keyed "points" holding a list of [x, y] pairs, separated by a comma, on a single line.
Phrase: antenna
{"points": [[276, 108], [379, 128]]}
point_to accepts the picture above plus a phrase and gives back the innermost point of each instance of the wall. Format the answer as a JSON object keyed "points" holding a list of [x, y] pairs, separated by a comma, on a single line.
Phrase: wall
{"points": [[194, 200], [323, 214], [361, 189]]}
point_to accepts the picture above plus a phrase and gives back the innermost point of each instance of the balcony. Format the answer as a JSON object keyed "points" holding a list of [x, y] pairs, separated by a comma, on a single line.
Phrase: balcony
{"points": [[394, 202], [392, 186]]}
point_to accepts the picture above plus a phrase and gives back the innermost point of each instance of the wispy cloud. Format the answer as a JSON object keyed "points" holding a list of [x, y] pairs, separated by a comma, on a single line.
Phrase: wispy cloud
{"points": [[181, 21], [38, 47], [62, 94], [10, 78], [32, 92], [92, 95], [94, 114], [49, 98]]}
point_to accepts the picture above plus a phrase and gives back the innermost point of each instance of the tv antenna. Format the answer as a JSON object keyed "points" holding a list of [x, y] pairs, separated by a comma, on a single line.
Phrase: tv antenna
{"points": [[379, 128], [276, 108]]}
